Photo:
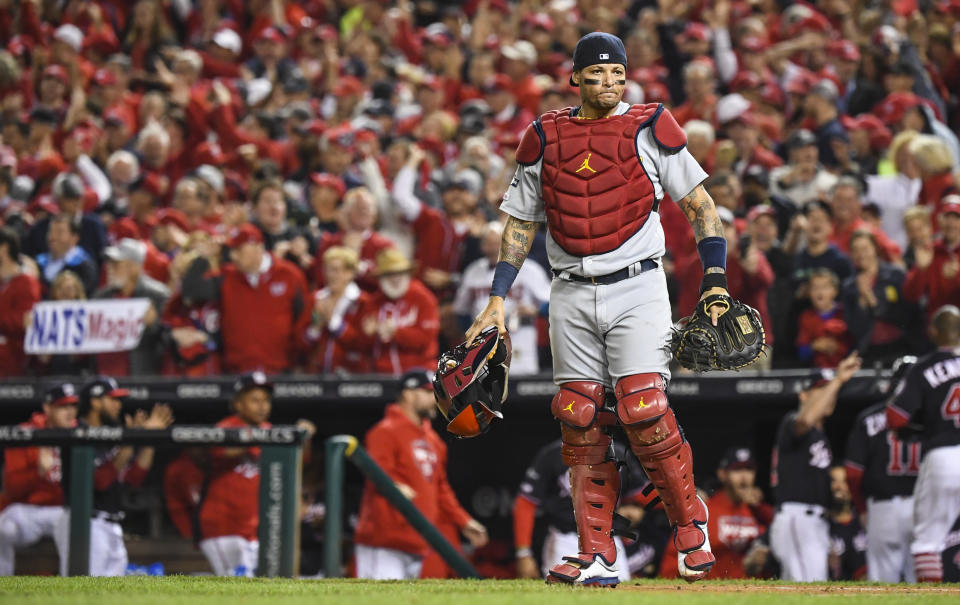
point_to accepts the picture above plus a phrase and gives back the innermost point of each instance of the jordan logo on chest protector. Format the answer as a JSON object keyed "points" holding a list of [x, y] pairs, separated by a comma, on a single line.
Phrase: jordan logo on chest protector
{"points": [[586, 164]]}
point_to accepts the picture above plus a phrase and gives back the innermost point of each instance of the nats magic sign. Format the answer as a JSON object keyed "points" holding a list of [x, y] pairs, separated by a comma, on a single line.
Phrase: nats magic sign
{"points": [[86, 326]]}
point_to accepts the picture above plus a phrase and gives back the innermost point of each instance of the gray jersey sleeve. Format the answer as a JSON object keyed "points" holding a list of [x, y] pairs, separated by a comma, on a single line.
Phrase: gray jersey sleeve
{"points": [[677, 173], [523, 199]]}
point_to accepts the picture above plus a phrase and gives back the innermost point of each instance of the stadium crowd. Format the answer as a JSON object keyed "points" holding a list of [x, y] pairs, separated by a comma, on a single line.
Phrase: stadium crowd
{"points": [[336, 167], [313, 187]]}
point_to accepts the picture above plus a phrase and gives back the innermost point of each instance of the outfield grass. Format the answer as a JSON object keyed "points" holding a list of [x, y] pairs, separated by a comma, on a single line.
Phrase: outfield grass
{"points": [[175, 590]]}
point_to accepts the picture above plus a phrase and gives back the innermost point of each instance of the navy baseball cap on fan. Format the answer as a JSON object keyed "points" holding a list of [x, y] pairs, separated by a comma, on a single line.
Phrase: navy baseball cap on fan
{"points": [[62, 394], [251, 381], [737, 458], [596, 48], [416, 379], [103, 386]]}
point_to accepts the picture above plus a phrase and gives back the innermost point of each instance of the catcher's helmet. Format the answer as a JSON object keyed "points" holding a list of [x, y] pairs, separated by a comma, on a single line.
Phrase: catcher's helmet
{"points": [[471, 383]]}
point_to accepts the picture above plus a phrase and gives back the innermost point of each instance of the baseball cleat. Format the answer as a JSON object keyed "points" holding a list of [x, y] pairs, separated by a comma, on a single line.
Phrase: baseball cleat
{"points": [[585, 570], [694, 559]]}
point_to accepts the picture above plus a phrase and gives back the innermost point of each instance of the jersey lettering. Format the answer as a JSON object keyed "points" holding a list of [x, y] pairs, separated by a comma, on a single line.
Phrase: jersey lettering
{"points": [[820, 455], [896, 465], [951, 406]]}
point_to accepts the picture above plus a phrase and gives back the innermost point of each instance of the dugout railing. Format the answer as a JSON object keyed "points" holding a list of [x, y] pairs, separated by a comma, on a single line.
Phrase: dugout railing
{"points": [[280, 462]]}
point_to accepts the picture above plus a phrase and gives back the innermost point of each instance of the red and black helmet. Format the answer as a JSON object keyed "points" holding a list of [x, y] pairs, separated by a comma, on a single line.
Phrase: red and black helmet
{"points": [[471, 383]]}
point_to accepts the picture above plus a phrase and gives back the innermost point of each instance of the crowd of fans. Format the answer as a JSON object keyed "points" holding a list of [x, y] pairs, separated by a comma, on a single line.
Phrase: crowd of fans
{"points": [[302, 186]]}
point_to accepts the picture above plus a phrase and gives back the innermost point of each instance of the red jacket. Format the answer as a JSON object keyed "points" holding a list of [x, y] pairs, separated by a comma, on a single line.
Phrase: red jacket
{"points": [[732, 528], [414, 343], [414, 455], [22, 482], [263, 326], [345, 347], [373, 244], [17, 296], [182, 486], [200, 359], [439, 245], [889, 250], [930, 282], [231, 506], [751, 288], [813, 325]]}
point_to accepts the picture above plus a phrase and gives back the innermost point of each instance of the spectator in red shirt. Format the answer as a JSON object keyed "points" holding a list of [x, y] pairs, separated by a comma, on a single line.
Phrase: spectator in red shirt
{"points": [[822, 336], [519, 59], [847, 210], [402, 319], [359, 216], [406, 447], [934, 276], [19, 291], [32, 497], [699, 82], [258, 285], [340, 343], [738, 516], [229, 512], [936, 164]]}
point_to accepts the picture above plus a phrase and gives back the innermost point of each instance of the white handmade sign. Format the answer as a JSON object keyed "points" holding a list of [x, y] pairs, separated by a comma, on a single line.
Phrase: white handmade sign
{"points": [[86, 326]]}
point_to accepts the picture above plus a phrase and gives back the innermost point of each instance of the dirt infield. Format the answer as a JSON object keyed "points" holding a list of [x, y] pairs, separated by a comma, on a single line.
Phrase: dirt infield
{"points": [[811, 589]]}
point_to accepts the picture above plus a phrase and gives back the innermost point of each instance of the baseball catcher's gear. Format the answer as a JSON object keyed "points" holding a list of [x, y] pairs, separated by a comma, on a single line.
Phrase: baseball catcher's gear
{"points": [[735, 342], [470, 384]]}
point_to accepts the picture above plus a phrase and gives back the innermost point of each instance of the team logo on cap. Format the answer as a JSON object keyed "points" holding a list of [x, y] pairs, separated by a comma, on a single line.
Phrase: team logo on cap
{"points": [[604, 56], [67, 389]]}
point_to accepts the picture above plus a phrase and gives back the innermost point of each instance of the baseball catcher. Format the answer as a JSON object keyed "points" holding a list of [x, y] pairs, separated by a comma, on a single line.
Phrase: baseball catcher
{"points": [[596, 175]]}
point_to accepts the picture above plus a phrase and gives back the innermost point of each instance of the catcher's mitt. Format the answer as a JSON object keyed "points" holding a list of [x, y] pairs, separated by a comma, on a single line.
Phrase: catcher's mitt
{"points": [[735, 342]]}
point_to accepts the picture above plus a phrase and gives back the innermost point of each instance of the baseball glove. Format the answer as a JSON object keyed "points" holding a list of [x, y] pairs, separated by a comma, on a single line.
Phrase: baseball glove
{"points": [[735, 342]]}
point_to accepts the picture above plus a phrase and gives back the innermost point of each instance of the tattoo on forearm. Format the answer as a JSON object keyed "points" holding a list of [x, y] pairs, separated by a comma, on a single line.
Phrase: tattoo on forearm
{"points": [[702, 214], [517, 240]]}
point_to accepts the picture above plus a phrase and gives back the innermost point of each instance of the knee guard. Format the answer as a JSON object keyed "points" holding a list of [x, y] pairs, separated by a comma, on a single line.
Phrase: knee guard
{"points": [[594, 479], [577, 406], [658, 443]]}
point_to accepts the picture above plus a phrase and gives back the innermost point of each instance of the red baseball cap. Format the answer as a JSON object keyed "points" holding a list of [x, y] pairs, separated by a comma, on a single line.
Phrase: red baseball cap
{"points": [[115, 117], [499, 83], [744, 80], [63, 394], [104, 77], [271, 34], [322, 179], [754, 44], [761, 210], [892, 109], [172, 216], [879, 134], [951, 204], [123, 228], [246, 233], [348, 86], [57, 72], [696, 31], [844, 50], [541, 20]]}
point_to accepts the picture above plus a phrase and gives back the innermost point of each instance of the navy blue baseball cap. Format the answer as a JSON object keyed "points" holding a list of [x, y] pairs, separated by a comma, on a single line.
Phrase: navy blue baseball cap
{"points": [[103, 386], [736, 458], [253, 380], [416, 379], [596, 48], [62, 394]]}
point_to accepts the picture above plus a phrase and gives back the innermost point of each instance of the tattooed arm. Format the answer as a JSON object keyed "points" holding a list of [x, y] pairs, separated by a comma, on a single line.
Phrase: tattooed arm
{"points": [[517, 240], [515, 245], [698, 207]]}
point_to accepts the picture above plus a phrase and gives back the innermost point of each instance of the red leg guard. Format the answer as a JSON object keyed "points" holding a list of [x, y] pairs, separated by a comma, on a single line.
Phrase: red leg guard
{"points": [[594, 480]]}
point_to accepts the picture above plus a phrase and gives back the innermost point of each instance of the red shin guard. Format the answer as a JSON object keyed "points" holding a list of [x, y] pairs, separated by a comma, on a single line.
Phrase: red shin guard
{"points": [[594, 489]]}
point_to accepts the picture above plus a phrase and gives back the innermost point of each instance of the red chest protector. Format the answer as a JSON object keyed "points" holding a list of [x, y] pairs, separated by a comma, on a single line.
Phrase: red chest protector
{"points": [[595, 190]]}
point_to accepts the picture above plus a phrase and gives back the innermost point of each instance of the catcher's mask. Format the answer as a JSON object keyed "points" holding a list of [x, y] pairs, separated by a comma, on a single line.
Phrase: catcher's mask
{"points": [[471, 383]]}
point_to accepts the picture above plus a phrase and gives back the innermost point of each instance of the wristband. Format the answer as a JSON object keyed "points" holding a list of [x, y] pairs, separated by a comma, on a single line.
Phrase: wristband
{"points": [[713, 280], [503, 277], [713, 252], [524, 551]]}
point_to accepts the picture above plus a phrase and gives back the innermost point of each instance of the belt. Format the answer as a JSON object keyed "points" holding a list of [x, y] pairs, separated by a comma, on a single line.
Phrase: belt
{"points": [[813, 510], [116, 517], [610, 278]]}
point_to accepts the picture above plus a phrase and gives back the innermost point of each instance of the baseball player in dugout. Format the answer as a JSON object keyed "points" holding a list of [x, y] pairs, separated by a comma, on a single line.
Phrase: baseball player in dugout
{"points": [[32, 499], [596, 174], [881, 471], [405, 445], [101, 404], [229, 506], [926, 403], [800, 478]]}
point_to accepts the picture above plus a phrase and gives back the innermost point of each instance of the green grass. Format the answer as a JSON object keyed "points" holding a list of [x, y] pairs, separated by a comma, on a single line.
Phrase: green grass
{"points": [[175, 590]]}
